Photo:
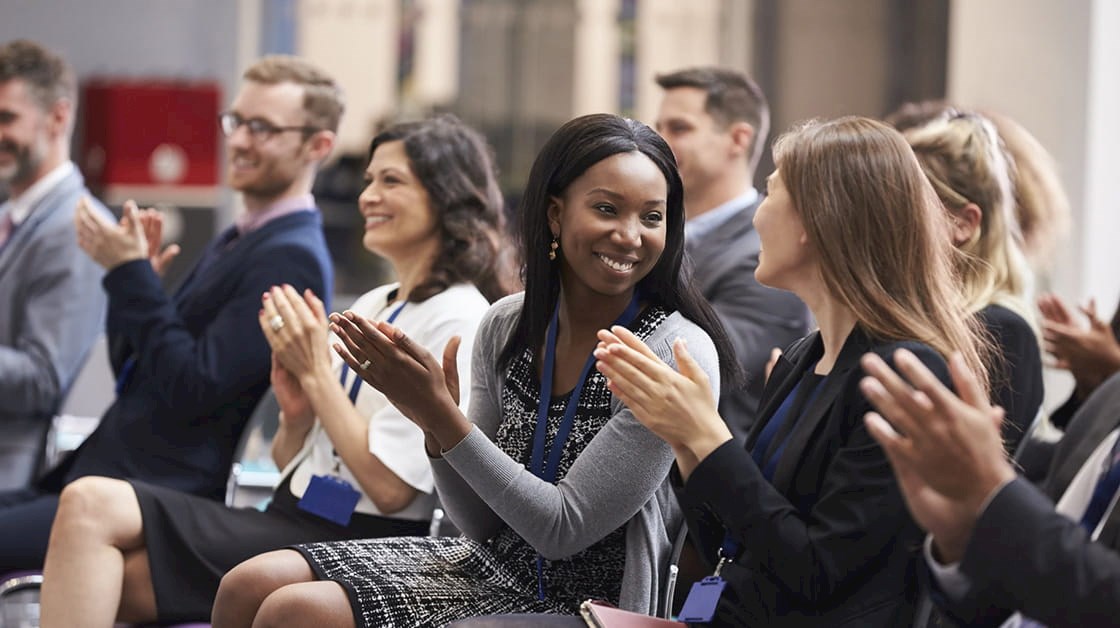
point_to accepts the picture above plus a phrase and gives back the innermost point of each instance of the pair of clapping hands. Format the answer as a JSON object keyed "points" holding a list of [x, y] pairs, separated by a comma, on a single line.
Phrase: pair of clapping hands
{"points": [[945, 449], [423, 388], [138, 235], [1090, 353]]}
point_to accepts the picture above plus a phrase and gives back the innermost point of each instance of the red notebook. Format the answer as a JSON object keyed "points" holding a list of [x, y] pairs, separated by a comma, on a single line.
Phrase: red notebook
{"points": [[602, 615]]}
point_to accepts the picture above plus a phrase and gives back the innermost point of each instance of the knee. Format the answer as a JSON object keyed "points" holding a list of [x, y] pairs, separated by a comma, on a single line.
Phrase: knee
{"points": [[299, 605], [85, 502], [244, 588]]}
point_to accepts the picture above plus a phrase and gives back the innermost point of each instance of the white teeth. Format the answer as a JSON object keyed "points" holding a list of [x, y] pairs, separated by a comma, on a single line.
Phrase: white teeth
{"points": [[376, 220], [619, 266]]}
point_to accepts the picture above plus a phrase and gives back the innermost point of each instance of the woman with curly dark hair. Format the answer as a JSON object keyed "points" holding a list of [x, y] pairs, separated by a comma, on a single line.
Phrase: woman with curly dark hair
{"points": [[353, 465]]}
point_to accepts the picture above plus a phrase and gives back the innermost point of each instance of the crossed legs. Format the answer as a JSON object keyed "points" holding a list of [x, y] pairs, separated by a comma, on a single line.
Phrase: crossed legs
{"points": [[279, 589], [97, 568]]}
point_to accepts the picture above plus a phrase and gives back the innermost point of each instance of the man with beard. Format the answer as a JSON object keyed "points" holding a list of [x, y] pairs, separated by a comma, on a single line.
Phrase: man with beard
{"points": [[191, 367], [51, 306]]}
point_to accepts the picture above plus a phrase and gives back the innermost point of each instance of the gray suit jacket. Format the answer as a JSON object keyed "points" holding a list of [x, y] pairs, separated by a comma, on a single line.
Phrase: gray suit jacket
{"points": [[51, 310], [757, 318]]}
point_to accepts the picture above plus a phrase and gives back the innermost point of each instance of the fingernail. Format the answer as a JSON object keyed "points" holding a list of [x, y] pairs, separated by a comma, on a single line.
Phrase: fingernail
{"points": [[265, 296]]}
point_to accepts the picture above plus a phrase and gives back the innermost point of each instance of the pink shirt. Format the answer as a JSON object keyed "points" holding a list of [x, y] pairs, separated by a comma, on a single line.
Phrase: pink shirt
{"points": [[248, 222]]}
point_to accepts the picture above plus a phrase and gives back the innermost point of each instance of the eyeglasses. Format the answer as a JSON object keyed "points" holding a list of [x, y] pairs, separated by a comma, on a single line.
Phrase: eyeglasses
{"points": [[259, 129]]}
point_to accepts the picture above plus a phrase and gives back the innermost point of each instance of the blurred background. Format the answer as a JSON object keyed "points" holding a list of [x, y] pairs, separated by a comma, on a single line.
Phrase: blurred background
{"points": [[156, 72]]}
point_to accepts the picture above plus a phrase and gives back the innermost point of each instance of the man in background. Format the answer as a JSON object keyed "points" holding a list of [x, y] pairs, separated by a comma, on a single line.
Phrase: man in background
{"points": [[716, 121]]}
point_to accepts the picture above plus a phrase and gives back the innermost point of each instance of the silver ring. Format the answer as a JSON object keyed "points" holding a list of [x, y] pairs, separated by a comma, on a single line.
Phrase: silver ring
{"points": [[364, 365], [276, 323]]}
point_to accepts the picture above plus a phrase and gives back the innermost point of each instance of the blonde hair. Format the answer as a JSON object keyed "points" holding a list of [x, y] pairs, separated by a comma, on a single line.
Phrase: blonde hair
{"points": [[1041, 204], [879, 234], [963, 158], [322, 97]]}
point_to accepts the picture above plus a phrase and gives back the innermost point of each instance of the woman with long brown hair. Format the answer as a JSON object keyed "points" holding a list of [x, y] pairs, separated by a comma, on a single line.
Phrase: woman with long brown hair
{"points": [[806, 522]]}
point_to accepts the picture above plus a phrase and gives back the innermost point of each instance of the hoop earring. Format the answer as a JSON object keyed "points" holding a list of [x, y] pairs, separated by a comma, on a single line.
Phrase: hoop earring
{"points": [[552, 247]]}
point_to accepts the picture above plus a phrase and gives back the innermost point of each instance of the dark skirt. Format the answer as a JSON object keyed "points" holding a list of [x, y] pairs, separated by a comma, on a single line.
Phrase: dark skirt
{"points": [[192, 541]]}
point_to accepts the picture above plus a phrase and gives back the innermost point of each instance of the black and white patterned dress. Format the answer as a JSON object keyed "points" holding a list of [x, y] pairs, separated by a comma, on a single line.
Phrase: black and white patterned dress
{"points": [[430, 581]]}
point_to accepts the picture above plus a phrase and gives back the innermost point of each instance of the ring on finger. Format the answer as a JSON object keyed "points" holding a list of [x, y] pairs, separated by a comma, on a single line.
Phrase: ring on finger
{"points": [[276, 322], [364, 365]]}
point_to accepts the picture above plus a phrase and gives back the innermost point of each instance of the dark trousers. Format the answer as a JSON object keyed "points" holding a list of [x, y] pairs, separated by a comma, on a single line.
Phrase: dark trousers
{"points": [[26, 516]]}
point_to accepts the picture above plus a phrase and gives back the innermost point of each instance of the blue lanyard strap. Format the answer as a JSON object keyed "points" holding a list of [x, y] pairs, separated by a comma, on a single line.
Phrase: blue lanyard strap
{"points": [[536, 464], [356, 385]]}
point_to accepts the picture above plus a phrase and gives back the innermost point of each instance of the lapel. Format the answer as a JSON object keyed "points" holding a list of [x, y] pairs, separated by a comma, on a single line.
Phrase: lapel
{"points": [[1094, 420], [811, 419], [24, 235], [707, 251]]}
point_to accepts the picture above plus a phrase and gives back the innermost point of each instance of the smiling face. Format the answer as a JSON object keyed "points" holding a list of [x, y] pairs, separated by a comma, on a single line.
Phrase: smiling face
{"points": [[784, 260], [611, 223], [25, 136], [399, 220], [265, 168]]}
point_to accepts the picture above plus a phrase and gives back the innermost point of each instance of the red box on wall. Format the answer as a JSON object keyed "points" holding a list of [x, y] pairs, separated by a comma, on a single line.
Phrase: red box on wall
{"points": [[151, 140]]}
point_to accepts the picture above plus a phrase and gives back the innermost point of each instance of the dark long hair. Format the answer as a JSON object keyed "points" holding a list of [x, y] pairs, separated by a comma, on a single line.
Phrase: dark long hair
{"points": [[453, 163], [572, 149]]}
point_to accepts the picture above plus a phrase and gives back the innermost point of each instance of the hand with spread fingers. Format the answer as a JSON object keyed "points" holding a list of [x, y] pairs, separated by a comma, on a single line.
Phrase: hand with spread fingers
{"points": [[421, 387], [160, 257], [296, 329], [678, 407], [107, 244], [946, 450], [1091, 354]]}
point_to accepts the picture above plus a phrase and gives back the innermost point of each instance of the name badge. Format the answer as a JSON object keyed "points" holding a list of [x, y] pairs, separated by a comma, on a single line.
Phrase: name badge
{"points": [[331, 498], [700, 605]]}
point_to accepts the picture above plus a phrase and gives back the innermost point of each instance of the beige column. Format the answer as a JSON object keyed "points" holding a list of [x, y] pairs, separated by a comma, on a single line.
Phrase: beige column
{"points": [[356, 41], [436, 70], [595, 79], [671, 35]]}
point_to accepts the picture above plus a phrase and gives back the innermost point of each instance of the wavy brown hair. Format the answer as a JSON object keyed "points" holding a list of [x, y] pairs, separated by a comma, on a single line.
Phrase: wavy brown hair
{"points": [[453, 163], [880, 234]]}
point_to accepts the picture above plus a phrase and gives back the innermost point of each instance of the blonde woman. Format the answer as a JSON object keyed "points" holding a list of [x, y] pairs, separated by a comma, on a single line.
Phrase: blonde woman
{"points": [[963, 158]]}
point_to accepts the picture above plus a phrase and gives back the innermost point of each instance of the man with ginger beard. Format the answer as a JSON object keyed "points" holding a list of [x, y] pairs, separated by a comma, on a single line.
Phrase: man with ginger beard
{"points": [[191, 367]]}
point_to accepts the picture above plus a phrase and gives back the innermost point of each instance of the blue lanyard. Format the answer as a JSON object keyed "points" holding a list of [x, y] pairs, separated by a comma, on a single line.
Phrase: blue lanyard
{"points": [[536, 464], [356, 385]]}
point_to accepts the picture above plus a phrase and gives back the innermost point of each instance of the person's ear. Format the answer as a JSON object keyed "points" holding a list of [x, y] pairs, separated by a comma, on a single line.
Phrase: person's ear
{"points": [[742, 134], [59, 117], [555, 210], [320, 144], [965, 223]]}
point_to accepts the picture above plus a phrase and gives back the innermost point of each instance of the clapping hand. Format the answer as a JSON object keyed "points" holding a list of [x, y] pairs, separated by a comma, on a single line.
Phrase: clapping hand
{"points": [[946, 450], [1091, 354], [421, 387], [110, 245], [678, 407]]}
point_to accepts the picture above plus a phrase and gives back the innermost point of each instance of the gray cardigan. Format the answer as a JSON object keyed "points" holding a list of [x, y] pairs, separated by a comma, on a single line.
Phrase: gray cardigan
{"points": [[620, 478]]}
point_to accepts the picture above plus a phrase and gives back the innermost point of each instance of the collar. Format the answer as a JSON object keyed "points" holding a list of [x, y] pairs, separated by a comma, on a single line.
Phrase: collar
{"points": [[249, 222], [716, 217], [24, 204]]}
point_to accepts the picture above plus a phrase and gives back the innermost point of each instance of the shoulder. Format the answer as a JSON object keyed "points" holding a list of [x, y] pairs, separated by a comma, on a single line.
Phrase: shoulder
{"points": [[676, 325], [1002, 321], [459, 305], [926, 354], [369, 303], [499, 320]]}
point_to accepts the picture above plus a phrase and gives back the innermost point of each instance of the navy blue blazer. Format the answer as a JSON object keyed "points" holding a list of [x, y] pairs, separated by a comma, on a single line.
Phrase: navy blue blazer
{"points": [[202, 362], [829, 541]]}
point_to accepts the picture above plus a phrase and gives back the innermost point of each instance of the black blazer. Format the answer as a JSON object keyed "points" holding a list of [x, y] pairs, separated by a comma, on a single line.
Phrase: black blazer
{"points": [[757, 318], [1061, 580], [829, 542]]}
